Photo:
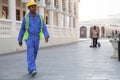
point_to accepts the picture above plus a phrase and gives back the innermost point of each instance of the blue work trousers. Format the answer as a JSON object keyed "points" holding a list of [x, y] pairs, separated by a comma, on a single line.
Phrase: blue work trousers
{"points": [[32, 50]]}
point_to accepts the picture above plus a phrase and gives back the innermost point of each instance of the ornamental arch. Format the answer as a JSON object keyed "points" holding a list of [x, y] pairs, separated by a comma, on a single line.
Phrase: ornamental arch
{"points": [[83, 32]]}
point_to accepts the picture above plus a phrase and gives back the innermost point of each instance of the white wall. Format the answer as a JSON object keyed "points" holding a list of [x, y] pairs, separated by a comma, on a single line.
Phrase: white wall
{"points": [[9, 45]]}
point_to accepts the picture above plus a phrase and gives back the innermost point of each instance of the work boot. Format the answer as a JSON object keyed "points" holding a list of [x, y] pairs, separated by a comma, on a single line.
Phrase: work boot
{"points": [[33, 73]]}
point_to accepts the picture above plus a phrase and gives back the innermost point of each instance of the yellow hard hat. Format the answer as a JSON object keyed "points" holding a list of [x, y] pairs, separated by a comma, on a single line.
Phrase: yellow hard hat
{"points": [[31, 2]]}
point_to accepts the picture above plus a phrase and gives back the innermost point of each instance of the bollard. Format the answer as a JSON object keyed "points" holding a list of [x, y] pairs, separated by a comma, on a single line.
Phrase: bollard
{"points": [[119, 48]]}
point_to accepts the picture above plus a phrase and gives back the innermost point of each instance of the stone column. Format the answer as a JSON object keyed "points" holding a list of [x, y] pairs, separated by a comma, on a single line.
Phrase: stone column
{"points": [[71, 22], [71, 13], [51, 9], [59, 22], [59, 15], [66, 13], [12, 14], [77, 28], [66, 20], [51, 20], [77, 20], [41, 4], [41, 11]]}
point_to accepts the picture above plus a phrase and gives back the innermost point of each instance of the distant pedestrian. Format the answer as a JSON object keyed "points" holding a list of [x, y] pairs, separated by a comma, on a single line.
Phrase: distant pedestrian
{"points": [[32, 27], [116, 34], [95, 35]]}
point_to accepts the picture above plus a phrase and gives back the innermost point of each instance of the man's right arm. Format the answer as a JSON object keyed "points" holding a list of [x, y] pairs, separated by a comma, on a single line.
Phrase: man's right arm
{"points": [[21, 33]]}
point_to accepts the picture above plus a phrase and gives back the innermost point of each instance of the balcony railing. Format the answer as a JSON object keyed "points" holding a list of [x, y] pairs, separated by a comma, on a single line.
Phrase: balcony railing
{"points": [[5, 28], [18, 25]]}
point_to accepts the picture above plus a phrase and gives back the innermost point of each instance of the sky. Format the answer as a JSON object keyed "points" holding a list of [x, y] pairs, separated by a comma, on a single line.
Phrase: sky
{"points": [[98, 9]]}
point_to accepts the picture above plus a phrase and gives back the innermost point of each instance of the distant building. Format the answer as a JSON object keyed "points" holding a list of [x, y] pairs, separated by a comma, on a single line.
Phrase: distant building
{"points": [[106, 26]]}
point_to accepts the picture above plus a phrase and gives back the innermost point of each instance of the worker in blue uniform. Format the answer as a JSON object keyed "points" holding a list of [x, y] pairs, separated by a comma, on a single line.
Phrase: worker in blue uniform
{"points": [[32, 42]]}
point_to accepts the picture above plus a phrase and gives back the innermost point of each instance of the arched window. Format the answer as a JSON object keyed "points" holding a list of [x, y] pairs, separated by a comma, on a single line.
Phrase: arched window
{"points": [[46, 15], [83, 32], [4, 12], [17, 14]]}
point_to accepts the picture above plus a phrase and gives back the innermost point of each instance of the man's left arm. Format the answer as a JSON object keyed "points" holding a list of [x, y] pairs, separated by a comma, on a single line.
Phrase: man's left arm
{"points": [[45, 32]]}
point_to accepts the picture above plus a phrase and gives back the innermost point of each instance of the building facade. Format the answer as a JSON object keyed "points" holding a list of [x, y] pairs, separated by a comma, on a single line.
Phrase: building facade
{"points": [[61, 17], [108, 27]]}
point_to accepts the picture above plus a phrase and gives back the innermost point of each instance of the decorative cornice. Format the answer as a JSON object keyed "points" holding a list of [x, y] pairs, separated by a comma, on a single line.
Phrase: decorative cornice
{"points": [[41, 3], [50, 5], [58, 6]]}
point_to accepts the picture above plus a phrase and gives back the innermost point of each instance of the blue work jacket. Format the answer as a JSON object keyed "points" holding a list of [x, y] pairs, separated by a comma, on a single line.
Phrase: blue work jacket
{"points": [[33, 28]]}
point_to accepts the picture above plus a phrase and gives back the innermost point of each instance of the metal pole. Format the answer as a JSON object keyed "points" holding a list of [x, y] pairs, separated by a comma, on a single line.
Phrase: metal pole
{"points": [[119, 48]]}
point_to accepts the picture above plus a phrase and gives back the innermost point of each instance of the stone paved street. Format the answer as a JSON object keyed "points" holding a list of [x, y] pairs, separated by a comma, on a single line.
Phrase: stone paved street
{"points": [[76, 61]]}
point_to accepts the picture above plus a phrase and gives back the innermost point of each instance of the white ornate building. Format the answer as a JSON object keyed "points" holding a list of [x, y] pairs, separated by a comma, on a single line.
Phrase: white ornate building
{"points": [[61, 17]]}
